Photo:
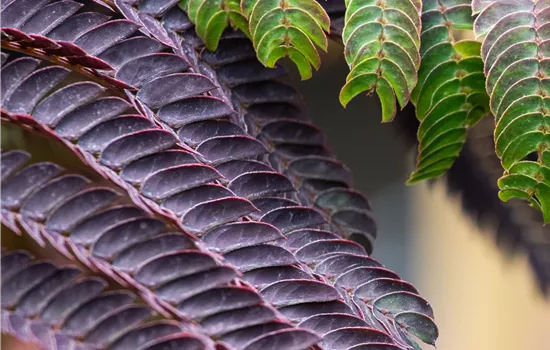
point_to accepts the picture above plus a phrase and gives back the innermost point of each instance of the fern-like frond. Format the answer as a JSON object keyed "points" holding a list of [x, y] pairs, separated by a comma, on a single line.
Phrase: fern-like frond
{"points": [[289, 28], [212, 17], [516, 57], [61, 307], [382, 43], [450, 96]]}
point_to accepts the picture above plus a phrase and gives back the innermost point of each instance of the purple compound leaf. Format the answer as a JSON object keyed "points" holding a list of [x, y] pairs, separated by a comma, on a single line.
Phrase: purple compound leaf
{"points": [[346, 338], [239, 235], [98, 39], [193, 134], [12, 161], [32, 88], [131, 258], [258, 256], [17, 187], [373, 289], [174, 87], [181, 202], [298, 239], [243, 336], [336, 265], [299, 312], [317, 251], [78, 207], [355, 277], [50, 16], [248, 71], [183, 288], [97, 138], [124, 234], [89, 230], [194, 109], [207, 303], [13, 262], [128, 49], [291, 292], [33, 302], [226, 322], [117, 323], [260, 184], [177, 341], [171, 266], [92, 312], [137, 171], [268, 275], [232, 169], [14, 288], [67, 99], [134, 146], [293, 218], [76, 123], [210, 214], [17, 12], [13, 74], [168, 182], [291, 131], [267, 204], [291, 339], [325, 323], [143, 69], [144, 334], [222, 149]]}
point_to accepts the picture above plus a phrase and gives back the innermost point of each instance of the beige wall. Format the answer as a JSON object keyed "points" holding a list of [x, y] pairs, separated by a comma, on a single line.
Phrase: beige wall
{"points": [[482, 299]]}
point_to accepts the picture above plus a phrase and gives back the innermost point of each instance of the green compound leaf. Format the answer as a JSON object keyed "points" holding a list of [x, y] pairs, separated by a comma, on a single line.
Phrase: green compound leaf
{"points": [[450, 95], [382, 42], [287, 28], [212, 17], [516, 54]]}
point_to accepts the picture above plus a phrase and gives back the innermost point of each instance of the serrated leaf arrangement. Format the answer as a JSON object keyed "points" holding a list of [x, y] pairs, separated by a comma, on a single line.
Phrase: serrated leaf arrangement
{"points": [[450, 95], [515, 55], [212, 17], [198, 182], [287, 28], [382, 43], [474, 174]]}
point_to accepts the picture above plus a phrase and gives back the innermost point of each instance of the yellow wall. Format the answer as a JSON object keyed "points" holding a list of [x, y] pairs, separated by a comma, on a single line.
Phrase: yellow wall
{"points": [[482, 299]]}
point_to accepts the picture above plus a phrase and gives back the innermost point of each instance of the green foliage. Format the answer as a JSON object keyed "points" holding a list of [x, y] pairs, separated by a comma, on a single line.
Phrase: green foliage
{"points": [[409, 50], [515, 51], [450, 95], [382, 42], [212, 17], [287, 28], [277, 28]]}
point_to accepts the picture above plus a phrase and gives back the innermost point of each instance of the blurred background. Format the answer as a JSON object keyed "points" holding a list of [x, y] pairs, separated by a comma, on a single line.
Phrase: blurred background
{"points": [[483, 299]]}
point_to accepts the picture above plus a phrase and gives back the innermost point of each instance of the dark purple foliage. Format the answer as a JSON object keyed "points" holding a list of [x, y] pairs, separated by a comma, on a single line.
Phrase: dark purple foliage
{"points": [[159, 122]]}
